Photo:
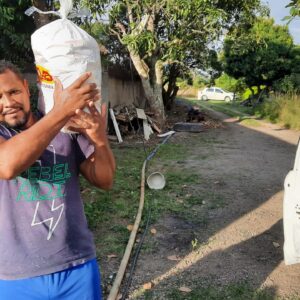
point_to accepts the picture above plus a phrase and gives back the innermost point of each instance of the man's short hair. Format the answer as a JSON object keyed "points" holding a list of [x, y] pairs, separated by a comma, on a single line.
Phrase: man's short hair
{"points": [[7, 65]]}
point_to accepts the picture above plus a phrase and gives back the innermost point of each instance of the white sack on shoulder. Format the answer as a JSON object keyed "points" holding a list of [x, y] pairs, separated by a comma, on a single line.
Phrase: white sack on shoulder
{"points": [[62, 49]]}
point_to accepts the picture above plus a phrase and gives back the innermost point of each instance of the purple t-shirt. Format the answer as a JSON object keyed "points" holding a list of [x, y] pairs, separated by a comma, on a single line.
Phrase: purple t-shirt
{"points": [[43, 228]]}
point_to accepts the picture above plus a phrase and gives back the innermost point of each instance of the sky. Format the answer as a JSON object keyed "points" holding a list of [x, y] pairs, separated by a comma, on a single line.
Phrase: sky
{"points": [[278, 12]]}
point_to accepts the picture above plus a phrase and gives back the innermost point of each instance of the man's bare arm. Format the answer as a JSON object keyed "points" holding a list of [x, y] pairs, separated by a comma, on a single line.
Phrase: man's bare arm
{"points": [[99, 168], [22, 150]]}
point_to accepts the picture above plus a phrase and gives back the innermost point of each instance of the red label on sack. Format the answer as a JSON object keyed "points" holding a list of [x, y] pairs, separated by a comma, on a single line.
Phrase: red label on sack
{"points": [[44, 75]]}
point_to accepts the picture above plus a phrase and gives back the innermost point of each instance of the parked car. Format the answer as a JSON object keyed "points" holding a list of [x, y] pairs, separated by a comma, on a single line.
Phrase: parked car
{"points": [[215, 93]]}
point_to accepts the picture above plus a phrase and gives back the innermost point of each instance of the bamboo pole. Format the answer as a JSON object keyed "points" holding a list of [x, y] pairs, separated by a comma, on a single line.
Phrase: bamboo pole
{"points": [[117, 283], [116, 286]]}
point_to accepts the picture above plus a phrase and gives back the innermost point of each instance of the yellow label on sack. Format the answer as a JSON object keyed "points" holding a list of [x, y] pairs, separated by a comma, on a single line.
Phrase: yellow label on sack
{"points": [[44, 75]]}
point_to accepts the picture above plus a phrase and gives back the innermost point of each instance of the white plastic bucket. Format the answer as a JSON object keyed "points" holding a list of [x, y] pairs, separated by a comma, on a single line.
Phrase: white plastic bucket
{"points": [[156, 181]]}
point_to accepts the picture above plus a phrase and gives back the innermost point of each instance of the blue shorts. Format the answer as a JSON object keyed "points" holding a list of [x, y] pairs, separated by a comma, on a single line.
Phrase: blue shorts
{"points": [[81, 282]]}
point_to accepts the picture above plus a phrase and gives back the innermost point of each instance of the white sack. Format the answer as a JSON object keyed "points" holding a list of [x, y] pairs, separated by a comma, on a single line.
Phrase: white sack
{"points": [[64, 50], [291, 214]]}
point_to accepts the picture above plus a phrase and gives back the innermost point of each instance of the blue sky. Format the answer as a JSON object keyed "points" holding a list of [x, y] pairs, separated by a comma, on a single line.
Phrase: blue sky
{"points": [[278, 11]]}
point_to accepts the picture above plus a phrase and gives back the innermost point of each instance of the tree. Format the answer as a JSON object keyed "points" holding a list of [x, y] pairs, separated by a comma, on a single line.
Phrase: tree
{"points": [[226, 82], [16, 29], [164, 37], [290, 83], [44, 5], [294, 6], [259, 55]]}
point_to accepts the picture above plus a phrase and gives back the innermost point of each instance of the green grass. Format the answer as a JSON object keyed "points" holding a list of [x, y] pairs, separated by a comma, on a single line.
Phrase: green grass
{"points": [[280, 109], [172, 152], [232, 109], [97, 203], [173, 198], [250, 122], [109, 213]]}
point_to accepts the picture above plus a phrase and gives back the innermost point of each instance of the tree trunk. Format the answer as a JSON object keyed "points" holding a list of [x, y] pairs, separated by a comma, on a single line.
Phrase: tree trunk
{"points": [[41, 19], [169, 95], [152, 88]]}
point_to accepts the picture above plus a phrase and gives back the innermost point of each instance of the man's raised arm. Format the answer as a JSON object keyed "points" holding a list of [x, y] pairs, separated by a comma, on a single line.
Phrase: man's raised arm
{"points": [[21, 151], [99, 168]]}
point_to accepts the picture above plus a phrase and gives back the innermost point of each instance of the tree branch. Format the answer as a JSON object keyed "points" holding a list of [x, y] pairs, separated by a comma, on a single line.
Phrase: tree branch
{"points": [[142, 25], [114, 32], [121, 27], [129, 9]]}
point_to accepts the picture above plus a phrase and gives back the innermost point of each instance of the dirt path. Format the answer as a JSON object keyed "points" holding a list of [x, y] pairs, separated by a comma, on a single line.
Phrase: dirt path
{"points": [[242, 240]]}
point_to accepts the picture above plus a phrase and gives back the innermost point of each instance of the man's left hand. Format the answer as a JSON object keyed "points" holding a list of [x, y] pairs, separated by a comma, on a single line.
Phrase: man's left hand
{"points": [[92, 124]]}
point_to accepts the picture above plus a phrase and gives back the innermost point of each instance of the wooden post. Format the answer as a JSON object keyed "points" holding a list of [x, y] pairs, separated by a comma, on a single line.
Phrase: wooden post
{"points": [[115, 125]]}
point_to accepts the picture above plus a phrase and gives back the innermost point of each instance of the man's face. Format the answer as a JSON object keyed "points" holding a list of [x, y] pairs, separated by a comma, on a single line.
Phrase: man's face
{"points": [[15, 98]]}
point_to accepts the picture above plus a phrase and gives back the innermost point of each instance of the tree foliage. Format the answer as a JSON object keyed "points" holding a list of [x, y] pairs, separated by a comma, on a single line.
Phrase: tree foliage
{"points": [[162, 38], [294, 7], [226, 82], [165, 38], [290, 83], [16, 29], [260, 55]]}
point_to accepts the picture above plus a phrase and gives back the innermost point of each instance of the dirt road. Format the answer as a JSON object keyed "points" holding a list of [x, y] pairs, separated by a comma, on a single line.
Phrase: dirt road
{"points": [[242, 238]]}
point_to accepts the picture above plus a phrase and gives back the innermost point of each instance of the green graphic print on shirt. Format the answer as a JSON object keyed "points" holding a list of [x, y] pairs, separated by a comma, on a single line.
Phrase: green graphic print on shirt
{"points": [[44, 183], [40, 183]]}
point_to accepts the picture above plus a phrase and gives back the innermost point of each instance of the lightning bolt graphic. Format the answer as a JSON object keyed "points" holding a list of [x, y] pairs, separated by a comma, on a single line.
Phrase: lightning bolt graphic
{"points": [[52, 223]]}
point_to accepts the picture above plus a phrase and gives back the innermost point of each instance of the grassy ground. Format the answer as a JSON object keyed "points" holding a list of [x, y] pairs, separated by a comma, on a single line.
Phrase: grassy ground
{"points": [[119, 206], [232, 109], [240, 291], [283, 110], [110, 213]]}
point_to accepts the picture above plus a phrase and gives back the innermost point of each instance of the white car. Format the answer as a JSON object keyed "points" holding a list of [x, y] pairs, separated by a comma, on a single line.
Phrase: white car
{"points": [[215, 93]]}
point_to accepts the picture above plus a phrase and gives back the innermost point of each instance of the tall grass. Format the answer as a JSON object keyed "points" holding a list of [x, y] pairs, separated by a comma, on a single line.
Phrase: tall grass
{"points": [[283, 109]]}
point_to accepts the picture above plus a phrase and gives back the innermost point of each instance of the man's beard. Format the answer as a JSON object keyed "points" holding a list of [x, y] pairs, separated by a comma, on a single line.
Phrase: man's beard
{"points": [[17, 124]]}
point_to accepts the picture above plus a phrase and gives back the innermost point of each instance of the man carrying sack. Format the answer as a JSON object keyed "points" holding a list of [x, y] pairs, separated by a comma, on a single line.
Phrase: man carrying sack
{"points": [[47, 250]]}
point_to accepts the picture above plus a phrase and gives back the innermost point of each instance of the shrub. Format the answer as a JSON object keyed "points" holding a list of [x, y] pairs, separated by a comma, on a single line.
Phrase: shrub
{"points": [[284, 109], [288, 84], [290, 113]]}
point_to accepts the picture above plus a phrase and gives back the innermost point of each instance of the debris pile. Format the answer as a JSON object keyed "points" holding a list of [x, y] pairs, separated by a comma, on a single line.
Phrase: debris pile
{"points": [[128, 119], [191, 118], [195, 115]]}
